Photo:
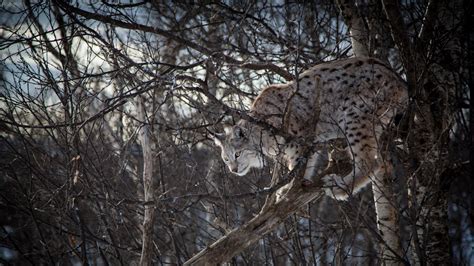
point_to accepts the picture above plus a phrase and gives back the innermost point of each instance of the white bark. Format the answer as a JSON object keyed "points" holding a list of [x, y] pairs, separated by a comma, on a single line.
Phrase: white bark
{"points": [[357, 29], [148, 187], [387, 222]]}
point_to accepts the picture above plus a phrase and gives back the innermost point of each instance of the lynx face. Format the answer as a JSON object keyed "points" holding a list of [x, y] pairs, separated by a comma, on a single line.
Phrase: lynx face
{"points": [[237, 151]]}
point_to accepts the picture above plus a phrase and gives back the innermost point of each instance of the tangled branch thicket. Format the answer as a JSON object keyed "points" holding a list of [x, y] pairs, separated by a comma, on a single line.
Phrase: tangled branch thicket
{"points": [[106, 109]]}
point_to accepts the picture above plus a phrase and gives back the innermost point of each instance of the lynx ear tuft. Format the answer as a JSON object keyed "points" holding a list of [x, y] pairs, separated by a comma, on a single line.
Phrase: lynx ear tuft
{"points": [[218, 138]]}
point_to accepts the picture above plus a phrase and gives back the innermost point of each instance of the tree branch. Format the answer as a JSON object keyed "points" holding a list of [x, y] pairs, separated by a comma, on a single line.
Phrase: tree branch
{"points": [[427, 28], [295, 196]]}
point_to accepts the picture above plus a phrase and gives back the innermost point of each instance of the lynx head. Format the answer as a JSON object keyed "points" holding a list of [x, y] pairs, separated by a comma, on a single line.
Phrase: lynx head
{"points": [[237, 150]]}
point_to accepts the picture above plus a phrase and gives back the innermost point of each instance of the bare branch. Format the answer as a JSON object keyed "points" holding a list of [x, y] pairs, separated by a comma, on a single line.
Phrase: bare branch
{"points": [[400, 36], [168, 34]]}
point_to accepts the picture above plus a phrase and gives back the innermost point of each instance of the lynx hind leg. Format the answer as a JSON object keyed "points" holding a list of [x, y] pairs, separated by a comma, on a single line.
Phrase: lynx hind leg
{"points": [[362, 150]]}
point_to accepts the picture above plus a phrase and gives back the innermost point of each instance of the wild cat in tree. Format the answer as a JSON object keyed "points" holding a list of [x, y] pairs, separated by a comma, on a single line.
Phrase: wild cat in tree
{"points": [[357, 98]]}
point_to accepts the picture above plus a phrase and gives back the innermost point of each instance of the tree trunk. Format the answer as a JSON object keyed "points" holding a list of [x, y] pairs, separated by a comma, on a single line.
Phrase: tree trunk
{"points": [[357, 29], [148, 187], [387, 218], [387, 212]]}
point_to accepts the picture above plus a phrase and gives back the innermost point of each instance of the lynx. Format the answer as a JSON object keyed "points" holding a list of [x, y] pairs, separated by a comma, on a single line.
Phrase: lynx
{"points": [[357, 98]]}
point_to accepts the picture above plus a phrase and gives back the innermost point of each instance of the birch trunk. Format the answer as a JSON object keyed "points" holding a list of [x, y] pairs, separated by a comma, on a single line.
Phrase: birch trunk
{"points": [[357, 29], [387, 218], [148, 187]]}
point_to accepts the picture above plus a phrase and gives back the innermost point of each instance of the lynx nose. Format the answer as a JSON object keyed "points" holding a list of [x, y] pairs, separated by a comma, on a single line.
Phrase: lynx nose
{"points": [[233, 168]]}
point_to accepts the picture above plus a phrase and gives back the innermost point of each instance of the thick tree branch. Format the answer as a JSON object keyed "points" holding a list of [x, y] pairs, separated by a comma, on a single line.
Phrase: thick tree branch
{"points": [[148, 188], [427, 29], [290, 198]]}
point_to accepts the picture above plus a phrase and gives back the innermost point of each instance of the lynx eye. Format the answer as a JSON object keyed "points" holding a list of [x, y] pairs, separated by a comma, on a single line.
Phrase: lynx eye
{"points": [[237, 154]]}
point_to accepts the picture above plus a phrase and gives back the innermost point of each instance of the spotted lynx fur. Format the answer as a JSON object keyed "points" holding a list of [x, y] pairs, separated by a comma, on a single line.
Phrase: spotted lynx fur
{"points": [[358, 98]]}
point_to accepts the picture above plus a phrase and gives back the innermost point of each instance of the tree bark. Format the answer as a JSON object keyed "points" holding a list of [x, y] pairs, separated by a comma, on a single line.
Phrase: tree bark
{"points": [[387, 217], [387, 212], [357, 29], [148, 187]]}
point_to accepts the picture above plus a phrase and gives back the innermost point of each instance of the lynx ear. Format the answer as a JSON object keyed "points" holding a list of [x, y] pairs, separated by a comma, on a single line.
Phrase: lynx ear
{"points": [[218, 138]]}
